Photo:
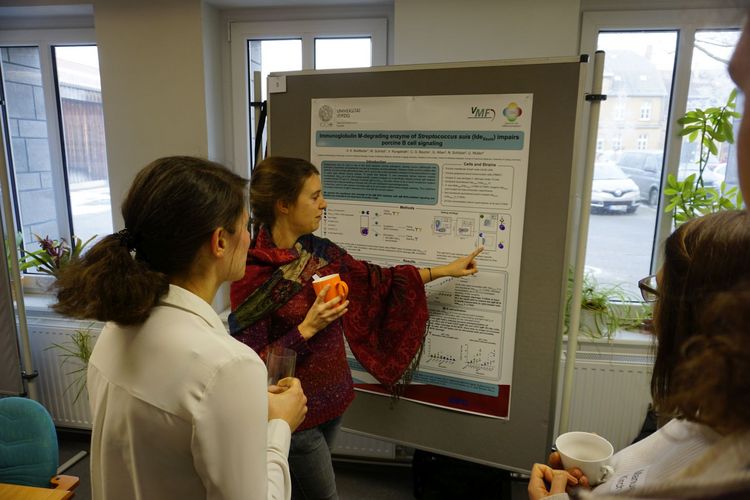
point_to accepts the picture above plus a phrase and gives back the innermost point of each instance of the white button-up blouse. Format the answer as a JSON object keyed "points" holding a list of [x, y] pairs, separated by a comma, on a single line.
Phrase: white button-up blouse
{"points": [[181, 411]]}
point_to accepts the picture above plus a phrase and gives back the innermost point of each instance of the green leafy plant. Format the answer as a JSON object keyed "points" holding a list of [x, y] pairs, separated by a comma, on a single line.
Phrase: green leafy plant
{"points": [[605, 309], [52, 255], [19, 239], [76, 351], [690, 198]]}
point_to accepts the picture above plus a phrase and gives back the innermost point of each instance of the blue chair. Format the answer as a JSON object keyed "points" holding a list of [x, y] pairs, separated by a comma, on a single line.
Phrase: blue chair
{"points": [[28, 446]]}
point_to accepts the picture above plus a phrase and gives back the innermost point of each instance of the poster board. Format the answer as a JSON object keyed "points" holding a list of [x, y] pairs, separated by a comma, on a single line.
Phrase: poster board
{"points": [[557, 89]]}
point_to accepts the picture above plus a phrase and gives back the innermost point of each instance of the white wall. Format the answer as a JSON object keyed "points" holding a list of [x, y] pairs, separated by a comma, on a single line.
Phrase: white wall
{"points": [[152, 73], [213, 39], [429, 31]]}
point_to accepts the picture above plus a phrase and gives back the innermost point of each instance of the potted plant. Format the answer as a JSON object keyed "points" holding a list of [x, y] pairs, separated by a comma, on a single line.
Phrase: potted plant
{"points": [[76, 351], [52, 254], [690, 198], [605, 309]]}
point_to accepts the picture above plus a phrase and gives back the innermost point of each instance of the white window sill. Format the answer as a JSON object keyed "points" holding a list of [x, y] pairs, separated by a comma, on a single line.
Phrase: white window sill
{"points": [[621, 337], [40, 304]]}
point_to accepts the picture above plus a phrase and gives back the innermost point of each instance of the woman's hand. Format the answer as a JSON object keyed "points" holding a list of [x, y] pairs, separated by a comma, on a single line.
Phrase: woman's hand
{"points": [[541, 475], [555, 462], [463, 266], [322, 314], [287, 402]]}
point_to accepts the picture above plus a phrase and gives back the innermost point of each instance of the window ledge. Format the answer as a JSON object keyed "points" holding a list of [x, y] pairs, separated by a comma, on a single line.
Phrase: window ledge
{"points": [[621, 337], [39, 304]]}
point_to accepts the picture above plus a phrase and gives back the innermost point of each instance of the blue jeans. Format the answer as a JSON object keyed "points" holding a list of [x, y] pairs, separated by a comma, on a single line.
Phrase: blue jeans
{"points": [[310, 462]]}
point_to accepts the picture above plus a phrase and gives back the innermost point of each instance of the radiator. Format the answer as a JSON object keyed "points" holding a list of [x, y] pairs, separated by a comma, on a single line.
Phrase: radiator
{"points": [[611, 394], [56, 386]]}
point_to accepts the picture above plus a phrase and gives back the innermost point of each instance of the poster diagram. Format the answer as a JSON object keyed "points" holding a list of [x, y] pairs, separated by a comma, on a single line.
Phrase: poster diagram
{"points": [[423, 180]]}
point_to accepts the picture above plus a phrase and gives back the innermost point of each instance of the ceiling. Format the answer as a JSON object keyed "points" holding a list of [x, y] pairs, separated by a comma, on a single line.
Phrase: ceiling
{"points": [[32, 8]]}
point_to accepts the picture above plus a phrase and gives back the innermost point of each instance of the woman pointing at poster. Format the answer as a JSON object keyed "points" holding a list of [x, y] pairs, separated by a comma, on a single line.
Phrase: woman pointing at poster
{"points": [[384, 316]]}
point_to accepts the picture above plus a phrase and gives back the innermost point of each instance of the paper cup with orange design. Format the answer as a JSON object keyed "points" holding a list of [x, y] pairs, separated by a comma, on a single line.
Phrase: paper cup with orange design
{"points": [[338, 287]]}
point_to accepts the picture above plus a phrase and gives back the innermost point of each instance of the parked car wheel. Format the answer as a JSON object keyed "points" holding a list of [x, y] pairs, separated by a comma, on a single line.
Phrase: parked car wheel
{"points": [[653, 197]]}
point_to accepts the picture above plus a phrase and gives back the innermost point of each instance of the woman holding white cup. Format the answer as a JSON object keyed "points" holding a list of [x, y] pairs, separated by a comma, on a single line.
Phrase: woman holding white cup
{"points": [[383, 309], [701, 375]]}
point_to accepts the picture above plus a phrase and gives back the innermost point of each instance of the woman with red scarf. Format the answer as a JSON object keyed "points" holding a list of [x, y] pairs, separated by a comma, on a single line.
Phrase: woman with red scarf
{"points": [[384, 319]]}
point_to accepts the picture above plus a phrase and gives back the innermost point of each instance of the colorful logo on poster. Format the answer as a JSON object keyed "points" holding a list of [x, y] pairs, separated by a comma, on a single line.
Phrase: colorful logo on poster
{"points": [[512, 112]]}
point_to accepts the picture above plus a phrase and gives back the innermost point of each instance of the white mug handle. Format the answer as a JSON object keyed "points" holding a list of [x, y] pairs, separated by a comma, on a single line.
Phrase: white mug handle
{"points": [[606, 471]]}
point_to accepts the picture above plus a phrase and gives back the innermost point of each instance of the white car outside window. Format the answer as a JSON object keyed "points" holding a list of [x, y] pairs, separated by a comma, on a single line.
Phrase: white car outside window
{"points": [[613, 191]]}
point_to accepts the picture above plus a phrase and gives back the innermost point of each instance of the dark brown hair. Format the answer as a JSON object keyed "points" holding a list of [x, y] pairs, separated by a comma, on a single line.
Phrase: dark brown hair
{"points": [[170, 211], [273, 179], [702, 366]]}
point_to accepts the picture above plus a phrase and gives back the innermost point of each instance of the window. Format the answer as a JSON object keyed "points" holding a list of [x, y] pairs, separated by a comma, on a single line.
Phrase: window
{"points": [[268, 56], [646, 110], [85, 151], [261, 48], [642, 53], [265, 57], [335, 53], [710, 86], [54, 135]]}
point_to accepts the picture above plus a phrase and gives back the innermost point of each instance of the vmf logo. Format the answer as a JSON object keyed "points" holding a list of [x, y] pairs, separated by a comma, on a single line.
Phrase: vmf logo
{"points": [[482, 113]]}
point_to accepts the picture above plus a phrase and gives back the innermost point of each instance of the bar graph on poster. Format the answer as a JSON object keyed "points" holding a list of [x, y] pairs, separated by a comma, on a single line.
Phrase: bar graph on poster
{"points": [[423, 180]]}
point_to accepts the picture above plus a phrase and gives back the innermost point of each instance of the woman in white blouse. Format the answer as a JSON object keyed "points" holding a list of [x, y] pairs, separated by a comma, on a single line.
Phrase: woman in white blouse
{"points": [[181, 409]]}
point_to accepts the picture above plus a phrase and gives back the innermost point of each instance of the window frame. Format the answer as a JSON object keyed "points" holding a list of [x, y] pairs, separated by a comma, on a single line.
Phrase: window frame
{"points": [[45, 40], [686, 23], [307, 31]]}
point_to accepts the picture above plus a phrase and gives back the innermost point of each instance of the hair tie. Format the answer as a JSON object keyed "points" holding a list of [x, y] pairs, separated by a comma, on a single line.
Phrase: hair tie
{"points": [[126, 239]]}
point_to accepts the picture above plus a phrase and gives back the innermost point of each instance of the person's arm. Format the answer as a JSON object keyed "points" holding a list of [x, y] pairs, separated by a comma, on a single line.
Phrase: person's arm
{"points": [[463, 266], [258, 334], [236, 451]]}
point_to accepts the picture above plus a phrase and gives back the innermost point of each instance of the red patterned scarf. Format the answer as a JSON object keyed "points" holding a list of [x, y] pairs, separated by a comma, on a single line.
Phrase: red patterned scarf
{"points": [[387, 317]]}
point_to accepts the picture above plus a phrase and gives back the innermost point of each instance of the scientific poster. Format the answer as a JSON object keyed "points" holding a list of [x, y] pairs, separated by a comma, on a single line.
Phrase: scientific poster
{"points": [[423, 180]]}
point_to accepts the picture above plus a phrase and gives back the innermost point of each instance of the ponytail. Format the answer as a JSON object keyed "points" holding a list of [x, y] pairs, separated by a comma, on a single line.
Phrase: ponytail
{"points": [[108, 284]]}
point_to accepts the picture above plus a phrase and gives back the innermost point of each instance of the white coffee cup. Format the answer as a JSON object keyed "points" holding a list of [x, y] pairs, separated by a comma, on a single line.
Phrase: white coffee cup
{"points": [[589, 452]]}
